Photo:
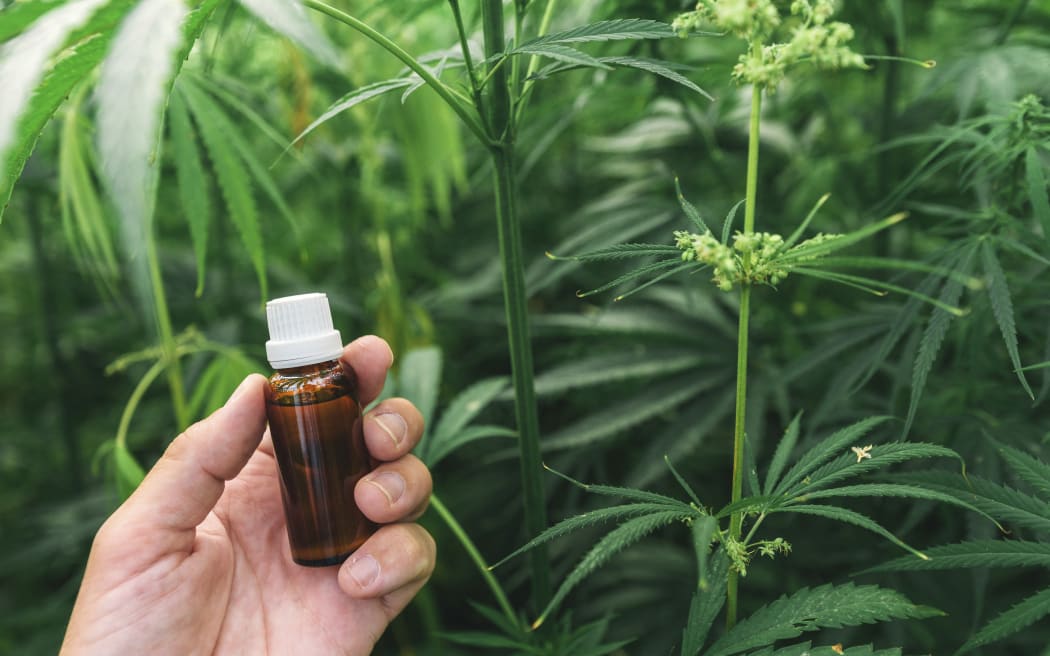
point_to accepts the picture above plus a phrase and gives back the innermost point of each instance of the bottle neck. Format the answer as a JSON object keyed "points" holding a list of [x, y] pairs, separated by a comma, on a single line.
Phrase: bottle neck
{"points": [[306, 370]]}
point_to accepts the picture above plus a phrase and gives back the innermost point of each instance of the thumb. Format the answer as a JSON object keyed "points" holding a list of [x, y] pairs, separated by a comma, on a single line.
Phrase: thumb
{"points": [[187, 481]]}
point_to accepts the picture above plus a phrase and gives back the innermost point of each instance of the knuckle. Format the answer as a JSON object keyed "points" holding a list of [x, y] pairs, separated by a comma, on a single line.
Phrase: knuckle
{"points": [[423, 552]]}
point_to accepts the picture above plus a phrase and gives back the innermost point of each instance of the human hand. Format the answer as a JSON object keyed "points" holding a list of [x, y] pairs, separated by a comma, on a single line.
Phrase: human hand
{"points": [[197, 560]]}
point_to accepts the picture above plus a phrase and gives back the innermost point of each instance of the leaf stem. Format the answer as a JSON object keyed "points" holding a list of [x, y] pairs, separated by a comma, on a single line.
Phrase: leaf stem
{"points": [[167, 340], [437, 85], [475, 555], [737, 519], [515, 298], [468, 61], [144, 383], [534, 61]]}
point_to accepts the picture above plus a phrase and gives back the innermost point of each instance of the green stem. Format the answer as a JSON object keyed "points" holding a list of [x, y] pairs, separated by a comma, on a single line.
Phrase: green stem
{"points": [[144, 383], [1011, 21], [736, 521], [437, 85], [475, 555], [515, 300], [515, 71], [468, 61], [752, 160], [167, 337], [534, 61]]}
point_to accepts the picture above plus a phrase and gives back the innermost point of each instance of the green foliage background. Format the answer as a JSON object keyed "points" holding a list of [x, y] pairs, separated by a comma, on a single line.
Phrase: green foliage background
{"points": [[388, 209]]}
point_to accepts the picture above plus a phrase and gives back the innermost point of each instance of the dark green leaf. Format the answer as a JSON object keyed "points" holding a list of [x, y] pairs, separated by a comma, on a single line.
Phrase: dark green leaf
{"points": [[847, 516], [727, 225], [620, 252], [676, 263], [705, 606], [974, 553], [355, 97], [1003, 310], [782, 454], [466, 406], [236, 189], [801, 229], [641, 496], [420, 379], [811, 609], [586, 520], [614, 542], [1034, 472], [649, 403], [806, 251], [449, 443], [656, 67], [561, 53], [831, 446], [934, 335], [610, 30], [682, 482], [1024, 614], [193, 184], [1002, 502], [1036, 181], [608, 368], [689, 209], [850, 464], [703, 529]]}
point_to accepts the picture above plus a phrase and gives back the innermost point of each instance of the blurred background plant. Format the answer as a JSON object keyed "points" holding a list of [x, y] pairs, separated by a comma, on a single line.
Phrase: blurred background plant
{"points": [[119, 331]]}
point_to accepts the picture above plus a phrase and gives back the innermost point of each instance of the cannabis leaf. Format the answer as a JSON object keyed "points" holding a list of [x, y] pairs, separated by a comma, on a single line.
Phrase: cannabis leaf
{"points": [[1008, 505], [828, 606]]}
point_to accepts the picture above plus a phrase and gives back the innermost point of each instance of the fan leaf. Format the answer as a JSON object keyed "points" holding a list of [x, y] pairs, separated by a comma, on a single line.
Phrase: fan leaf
{"points": [[828, 606]]}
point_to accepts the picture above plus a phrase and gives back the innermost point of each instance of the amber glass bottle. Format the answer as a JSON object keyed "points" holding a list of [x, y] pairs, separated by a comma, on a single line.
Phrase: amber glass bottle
{"points": [[315, 422]]}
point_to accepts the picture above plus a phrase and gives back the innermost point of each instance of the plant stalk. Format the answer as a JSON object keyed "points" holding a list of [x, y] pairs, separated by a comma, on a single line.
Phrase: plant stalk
{"points": [[475, 555], [752, 160], [515, 300], [736, 521], [167, 337]]}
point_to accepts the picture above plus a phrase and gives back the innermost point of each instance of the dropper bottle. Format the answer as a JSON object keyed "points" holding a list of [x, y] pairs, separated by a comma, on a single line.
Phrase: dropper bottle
{"points": [[315, 422]]}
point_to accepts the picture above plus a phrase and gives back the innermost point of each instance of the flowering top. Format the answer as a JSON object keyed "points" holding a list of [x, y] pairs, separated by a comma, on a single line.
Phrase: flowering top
{"points": [[813, 37], [754, 258]]}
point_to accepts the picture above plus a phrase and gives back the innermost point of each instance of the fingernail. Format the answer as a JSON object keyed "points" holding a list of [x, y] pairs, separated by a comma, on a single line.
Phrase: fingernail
{"points": [[391, 484], [393, 425], [239, 391], [364, 570]]}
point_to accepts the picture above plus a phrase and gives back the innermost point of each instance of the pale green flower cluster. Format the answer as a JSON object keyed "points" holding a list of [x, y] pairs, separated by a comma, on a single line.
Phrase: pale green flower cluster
{"points": [[746, 19], [813, 37], [759, 251], [740, 554], [708, 250], [751, 259]]}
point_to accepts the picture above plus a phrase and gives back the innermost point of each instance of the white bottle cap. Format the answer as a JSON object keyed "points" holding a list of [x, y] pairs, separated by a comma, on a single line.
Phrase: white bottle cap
{"points": [[301, 331]]}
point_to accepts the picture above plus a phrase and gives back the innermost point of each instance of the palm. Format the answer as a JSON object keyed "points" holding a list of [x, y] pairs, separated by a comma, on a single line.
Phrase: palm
{"points": [[315, 615], [197, 560]]}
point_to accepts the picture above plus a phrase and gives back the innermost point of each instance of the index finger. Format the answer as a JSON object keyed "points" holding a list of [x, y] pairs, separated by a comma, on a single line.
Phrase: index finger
{"points": [[369, 358]]}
